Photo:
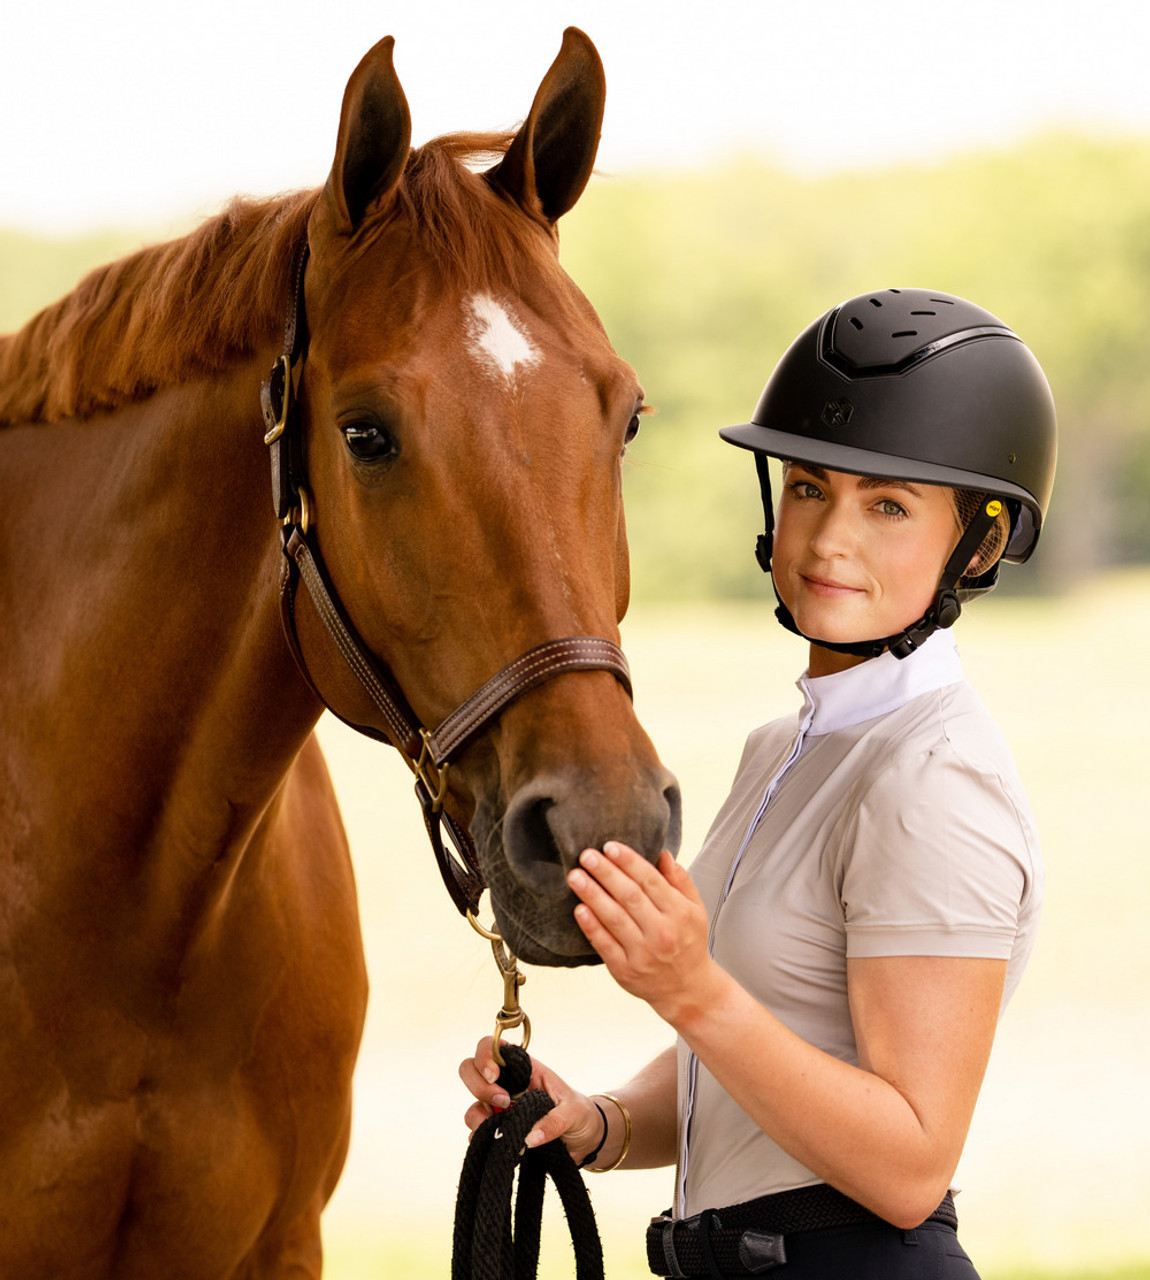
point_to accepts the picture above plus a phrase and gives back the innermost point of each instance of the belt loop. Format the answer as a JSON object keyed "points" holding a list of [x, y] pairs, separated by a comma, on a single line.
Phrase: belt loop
{"points": [[910, 1237], [669, 1255]]}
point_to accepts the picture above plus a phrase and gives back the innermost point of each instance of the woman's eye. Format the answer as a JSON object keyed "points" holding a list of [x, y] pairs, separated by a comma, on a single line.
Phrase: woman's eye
{"points": [[804, 489], [369, 443], [889, 507]]}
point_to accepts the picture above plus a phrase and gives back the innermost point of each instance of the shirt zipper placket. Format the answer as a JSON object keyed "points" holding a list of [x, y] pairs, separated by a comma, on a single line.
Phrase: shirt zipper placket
{"points": [[692, 1061]]}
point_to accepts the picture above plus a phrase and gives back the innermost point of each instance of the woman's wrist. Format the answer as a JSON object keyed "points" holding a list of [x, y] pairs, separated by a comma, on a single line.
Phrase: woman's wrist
{"points": [[624, 1145], [708, 990], [593, 1154]]}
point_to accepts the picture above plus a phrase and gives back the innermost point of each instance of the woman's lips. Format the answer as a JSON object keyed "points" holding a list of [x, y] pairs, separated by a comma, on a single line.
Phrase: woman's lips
{"points": [[824, 586]]}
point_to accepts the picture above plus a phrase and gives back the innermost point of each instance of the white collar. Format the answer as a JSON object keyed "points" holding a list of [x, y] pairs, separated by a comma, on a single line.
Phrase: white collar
{"points": [[879, 685]]}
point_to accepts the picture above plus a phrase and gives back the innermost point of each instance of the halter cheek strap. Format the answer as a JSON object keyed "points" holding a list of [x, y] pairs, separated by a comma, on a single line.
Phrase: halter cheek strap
{"points": [[343, 672], [944, 610]]}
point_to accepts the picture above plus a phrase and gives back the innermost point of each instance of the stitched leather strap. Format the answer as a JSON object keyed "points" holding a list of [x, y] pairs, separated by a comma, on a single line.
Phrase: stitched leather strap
{"points": [[545, 661], [397, 720]]}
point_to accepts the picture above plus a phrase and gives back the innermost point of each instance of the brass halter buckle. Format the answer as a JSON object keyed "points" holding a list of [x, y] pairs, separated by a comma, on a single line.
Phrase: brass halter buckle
{"points": [[277, 387], [300, 514], [511, 1015], [433, 777]]}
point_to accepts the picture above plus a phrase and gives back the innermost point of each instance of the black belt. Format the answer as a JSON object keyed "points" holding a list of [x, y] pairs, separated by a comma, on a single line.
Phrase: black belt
{"points": [[747, 1239]]}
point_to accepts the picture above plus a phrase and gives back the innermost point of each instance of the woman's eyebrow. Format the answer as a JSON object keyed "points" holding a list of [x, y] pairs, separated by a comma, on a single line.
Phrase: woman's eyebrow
{"points": [[819, 473], [865, 482], [877, 482]]}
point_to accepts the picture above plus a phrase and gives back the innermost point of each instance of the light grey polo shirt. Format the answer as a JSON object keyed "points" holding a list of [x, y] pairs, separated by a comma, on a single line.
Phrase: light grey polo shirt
{"points": [[885, 818]]}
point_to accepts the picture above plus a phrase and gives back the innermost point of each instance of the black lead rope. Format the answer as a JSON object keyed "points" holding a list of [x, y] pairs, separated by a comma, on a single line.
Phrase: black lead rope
{"points": [[487, 1245]]}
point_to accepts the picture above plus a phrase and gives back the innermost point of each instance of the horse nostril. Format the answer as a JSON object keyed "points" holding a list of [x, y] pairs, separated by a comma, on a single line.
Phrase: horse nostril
{"points": [[549, 823], [530, 844]]}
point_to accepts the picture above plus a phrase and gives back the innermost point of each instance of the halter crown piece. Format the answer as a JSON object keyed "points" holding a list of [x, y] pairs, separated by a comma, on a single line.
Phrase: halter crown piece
{"points": [[360, 690]]}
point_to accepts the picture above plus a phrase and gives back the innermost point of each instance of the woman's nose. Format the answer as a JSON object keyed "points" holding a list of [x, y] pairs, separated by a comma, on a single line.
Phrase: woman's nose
{"points": [[834, 533]]}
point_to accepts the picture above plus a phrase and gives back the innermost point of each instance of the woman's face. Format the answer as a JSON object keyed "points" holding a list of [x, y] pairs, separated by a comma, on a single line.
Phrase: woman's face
{"points": [[857, 558]]}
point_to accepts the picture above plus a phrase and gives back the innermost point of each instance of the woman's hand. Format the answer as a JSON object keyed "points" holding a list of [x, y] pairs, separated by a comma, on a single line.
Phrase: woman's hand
{"points": [[649, 926], [574, 1118]]}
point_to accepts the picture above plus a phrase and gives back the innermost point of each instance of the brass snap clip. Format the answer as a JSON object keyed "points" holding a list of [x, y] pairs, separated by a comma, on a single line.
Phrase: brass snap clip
{"points": [[512, 1014]]}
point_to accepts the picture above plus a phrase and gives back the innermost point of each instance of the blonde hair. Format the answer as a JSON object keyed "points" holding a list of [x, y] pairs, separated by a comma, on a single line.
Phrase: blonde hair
{"points": [[966, 503]]}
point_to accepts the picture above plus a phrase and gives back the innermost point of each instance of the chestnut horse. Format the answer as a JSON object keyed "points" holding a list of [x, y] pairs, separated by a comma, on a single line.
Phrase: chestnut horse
{"points": [[182, 983]]}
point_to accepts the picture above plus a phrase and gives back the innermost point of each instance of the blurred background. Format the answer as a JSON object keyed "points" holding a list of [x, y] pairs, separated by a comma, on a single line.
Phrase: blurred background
{"points": [[760, 162]]}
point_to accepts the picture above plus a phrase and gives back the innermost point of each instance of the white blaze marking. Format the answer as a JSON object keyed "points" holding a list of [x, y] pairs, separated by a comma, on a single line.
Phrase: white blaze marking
{"points": [[497, 340]]}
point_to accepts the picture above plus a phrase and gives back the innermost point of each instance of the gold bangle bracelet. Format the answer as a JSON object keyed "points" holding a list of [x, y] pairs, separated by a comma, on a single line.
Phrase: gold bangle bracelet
{"points": [[626, 1133]]}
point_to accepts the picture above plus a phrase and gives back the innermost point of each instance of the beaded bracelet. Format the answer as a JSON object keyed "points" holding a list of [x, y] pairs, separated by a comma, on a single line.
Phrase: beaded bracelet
{"points": [[626, 1132]]}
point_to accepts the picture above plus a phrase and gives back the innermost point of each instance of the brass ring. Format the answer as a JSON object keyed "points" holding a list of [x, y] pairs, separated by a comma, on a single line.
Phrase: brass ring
{"points": [[492, 936], [506, 1024]]}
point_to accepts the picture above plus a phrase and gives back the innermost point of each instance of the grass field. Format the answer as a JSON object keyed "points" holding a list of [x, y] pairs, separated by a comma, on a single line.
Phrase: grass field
{"points": [[1056, 1175]]}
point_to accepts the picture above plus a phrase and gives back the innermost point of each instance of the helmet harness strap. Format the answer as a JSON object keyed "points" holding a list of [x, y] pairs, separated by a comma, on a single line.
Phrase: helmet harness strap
{"points": [[944, 610]]}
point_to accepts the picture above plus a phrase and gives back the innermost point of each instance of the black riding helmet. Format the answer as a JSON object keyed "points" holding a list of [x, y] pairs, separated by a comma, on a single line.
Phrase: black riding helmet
{"points": [[906, 384]]}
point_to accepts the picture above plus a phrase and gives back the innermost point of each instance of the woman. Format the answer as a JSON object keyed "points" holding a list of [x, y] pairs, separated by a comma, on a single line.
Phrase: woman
{"points": [[866, 900]]}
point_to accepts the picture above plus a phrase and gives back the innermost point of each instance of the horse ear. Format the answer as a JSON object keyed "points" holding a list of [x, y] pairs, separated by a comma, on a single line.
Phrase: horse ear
{"points": [[374, 138], [550, 159]]}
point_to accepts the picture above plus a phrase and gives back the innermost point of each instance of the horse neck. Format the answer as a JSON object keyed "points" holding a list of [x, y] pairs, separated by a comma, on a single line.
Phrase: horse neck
{"points": [[155, 645]]}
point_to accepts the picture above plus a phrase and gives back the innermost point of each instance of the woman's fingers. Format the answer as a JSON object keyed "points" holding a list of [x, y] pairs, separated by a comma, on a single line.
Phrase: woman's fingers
{"points": [[480, 1075], [628, 876], [622, 889], [647, 923], [574, 1118], [475, 1115]]}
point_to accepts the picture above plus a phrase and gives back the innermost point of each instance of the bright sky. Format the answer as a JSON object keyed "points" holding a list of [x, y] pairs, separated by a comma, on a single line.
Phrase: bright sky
{"points": [[138, 110]]}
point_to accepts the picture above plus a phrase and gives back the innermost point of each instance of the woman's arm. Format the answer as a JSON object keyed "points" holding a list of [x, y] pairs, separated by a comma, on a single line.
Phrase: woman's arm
{"points": [[650, 1097], [888, 1132]]}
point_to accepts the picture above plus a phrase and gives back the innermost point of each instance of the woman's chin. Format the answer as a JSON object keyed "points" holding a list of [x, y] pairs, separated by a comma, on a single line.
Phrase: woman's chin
{"points": [[835, 627]]}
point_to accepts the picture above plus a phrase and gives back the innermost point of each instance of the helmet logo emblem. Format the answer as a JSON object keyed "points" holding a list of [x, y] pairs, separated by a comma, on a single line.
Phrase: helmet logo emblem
{"points": [[837, 413]]}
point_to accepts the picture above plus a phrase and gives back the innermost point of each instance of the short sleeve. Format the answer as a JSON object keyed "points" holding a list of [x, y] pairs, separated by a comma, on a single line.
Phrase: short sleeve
{"points": [[939, 861]]}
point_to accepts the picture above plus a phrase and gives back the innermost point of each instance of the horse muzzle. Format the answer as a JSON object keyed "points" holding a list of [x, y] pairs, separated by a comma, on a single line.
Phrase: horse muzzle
{"points": [[547, 823]]}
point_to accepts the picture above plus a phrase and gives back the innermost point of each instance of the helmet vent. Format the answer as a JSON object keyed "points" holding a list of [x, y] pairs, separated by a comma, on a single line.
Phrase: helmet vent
{"points": [[858, 324], [924, 313], [875, 302], [905, 333]]}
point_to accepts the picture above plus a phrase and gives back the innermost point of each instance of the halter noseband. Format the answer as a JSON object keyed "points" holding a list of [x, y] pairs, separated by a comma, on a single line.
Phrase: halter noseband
{"points": [[376, 705]]}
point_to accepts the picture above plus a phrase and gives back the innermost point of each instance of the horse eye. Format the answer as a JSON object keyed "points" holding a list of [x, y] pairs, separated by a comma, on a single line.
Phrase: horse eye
{"points": [[632, 430], [368, 442]]}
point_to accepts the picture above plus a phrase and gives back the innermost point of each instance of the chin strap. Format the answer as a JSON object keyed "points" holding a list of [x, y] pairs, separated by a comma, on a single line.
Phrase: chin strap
{"points": [[944, 609]]}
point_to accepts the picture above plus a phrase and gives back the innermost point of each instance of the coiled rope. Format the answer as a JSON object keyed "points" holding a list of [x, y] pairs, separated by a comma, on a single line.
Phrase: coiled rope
{"points": [[487, 1244]]}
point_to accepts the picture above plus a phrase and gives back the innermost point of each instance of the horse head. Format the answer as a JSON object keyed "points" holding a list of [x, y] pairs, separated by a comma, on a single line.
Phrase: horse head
{"points": [[466, 420]]}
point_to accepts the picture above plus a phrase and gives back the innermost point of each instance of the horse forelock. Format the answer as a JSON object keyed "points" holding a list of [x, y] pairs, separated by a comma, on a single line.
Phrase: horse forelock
{"points": [[476, 238], [194, 306]]}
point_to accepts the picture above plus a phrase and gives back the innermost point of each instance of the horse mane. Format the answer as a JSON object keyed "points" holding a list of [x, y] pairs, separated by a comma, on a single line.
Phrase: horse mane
{"points": [[195, 306]]}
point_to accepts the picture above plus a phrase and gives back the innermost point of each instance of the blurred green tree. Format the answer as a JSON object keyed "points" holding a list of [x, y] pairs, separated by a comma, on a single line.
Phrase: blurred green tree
{"points": [[702, 277]]}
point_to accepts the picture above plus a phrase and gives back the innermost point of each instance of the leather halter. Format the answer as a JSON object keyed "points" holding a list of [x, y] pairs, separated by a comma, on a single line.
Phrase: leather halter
{"points": [[361, 691]]}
